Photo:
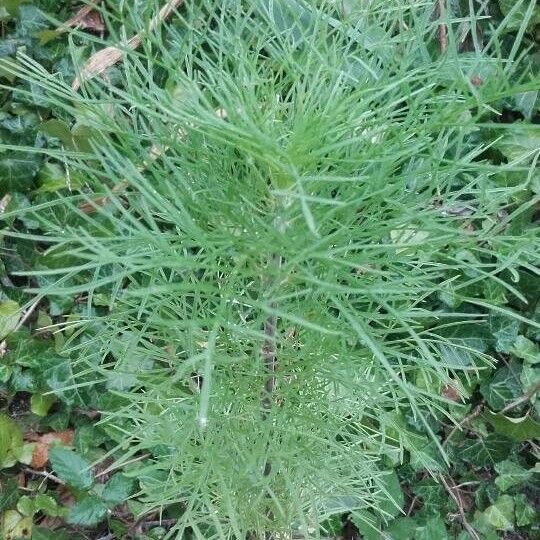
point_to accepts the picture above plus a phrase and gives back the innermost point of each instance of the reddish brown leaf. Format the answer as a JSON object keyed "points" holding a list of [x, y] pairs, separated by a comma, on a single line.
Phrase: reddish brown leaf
{"points": [[449, 392], [40, 455], [476, 80], [86, 18]]}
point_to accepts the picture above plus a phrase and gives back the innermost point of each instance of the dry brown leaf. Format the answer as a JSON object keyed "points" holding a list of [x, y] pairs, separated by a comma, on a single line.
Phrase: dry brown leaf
{"points": [[40, 456], [104, 59], [86, 18], [92, 22], [450, 392], [89, 208]]}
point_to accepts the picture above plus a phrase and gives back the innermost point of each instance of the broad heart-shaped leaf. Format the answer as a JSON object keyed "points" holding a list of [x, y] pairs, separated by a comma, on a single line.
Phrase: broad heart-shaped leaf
{"points": [[501, 514], [117, 489], [510, 474], [503, 388], [485, 451], [89, 511], [517, 429], [72, 468], [11, 441], [9, 317]]}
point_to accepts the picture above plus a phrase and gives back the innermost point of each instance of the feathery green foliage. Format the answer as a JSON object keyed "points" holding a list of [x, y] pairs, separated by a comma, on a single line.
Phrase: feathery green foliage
{"points": [[289, 178]]}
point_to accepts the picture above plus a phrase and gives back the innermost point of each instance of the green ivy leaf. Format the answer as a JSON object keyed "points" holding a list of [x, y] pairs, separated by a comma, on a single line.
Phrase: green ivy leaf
{"points": [[11, 441], [434, 528], [482, 525], [525, 103], [117, 489], [403, 528], [40, 533], [17, 172], [525, 513], [501, 514], [47, 505], [90, 511], [526, 349], [516, 19], [8, 493], [71, 468], [12, 6], [505, 330], [503, 388], [31, 20], [463, 341], [510, 474], [9, 317], [485, 451], [59, 130], [517, 429], [15, 526], [519, 143], [432, 494], [25, 506], [41, 403]]}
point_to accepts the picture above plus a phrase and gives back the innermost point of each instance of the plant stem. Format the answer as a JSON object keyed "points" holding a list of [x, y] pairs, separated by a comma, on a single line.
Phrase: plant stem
{"points": [[269, 358], [525, 397], [441, 30], [454, 493]]}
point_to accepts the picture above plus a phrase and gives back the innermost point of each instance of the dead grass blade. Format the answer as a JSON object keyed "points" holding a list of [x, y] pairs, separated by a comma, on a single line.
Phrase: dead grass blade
{"points": [[99, 62]]}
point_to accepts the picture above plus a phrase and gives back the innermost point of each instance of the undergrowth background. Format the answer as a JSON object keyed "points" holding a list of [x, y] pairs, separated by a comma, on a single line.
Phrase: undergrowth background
{"points": [[490, 486]]}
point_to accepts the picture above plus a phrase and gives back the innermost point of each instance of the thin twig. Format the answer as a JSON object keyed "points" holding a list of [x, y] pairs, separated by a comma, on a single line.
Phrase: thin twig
{"points": [[471, 416], [441, 29], [269, 358], [411, 506], [166, 523], [525, 397], [115, 466], [27, 313], [459, 503], [46, 474], [268, 354], [79, 17]]}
